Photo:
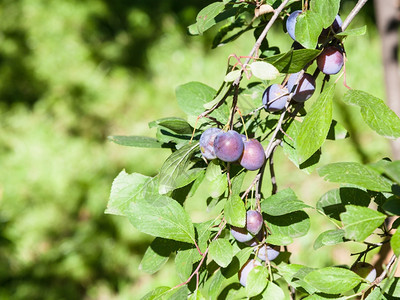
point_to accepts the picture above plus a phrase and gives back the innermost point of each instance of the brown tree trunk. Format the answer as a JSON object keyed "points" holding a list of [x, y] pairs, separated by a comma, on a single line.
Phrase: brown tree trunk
{"points": [[387, 16]]}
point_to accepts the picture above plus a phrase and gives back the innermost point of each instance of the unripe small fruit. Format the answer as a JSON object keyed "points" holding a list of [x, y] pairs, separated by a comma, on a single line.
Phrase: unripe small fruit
{"points": [[331, 60], [275, 97], [206, 143], [254, 221], [245, 270], [364, 270], [228, 146], [253, 156]]}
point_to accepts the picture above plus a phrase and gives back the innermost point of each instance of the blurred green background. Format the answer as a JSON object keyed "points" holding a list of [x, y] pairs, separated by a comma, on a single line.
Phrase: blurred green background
{"points": [[73, 73]]}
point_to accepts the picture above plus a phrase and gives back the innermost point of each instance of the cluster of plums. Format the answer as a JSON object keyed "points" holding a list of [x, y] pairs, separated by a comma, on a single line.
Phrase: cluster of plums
{"points": [[330, 61], [253, 235], [275, 96], [231, 146]]}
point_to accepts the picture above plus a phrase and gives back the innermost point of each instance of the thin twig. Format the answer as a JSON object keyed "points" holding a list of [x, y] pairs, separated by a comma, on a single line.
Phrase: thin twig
{"points": [[353, 13]]}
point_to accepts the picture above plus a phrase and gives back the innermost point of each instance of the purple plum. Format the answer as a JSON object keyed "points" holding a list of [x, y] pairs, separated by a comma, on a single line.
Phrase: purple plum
{"points": [[228, 146], [207, 139], [275, 97], [305, 88], [253, 156], [331, 60]]}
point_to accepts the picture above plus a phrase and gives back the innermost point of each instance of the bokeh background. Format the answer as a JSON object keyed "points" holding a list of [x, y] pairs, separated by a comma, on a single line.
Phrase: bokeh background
{"points": [[74, 72]]}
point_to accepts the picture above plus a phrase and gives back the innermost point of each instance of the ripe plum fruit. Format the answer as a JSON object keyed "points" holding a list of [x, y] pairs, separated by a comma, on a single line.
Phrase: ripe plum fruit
{"points": [[253, 156], [305, 88], [241, 234], [257, 239], [268, 252], [207, 139], [291, 23], [228, 146], [245, 270], [274, 97], [364, 270], [336, 27], [254, 221], [330, 61]]}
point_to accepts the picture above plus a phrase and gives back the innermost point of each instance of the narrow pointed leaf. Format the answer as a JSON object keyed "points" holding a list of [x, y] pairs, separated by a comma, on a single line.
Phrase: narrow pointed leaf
{"points": [[135, 141], [175, 171], [315, 126]]}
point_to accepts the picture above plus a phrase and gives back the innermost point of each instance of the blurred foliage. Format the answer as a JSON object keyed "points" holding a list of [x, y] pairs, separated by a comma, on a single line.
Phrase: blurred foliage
{"points": [[72, 73]]}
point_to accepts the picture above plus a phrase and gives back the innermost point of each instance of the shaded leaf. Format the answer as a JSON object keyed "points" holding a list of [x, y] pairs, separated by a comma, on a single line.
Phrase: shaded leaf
{"points": [[176, 125], [157, 255], [293, 225], [175, 171], [293, 61], [395, 243], [333, 202]]}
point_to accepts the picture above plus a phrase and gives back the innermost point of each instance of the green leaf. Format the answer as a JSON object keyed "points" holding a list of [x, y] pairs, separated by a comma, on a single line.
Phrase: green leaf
{"points": [[295, 224], [277, 239], [221, 252], [217, 182], [322, 296], [206, 18], [196, 296], [135, 141], [393, 171], [193, 95], [308, 28], [161, 217], [360, 222], [378, 116], [157, 255], [235, 212], [230, 77], [176, 125], [273, 291], [215, 284], [333, 280], [376, 294], [353, 32], [337, 131], [289, 148], [203, 234], [175, 171], [329, 238], [333, 202], [184, 260], [395, 243], [357, 174], [282, 203], [326, 10], [264, 70], [237, 262], [293, 61], [126, 188], [315, 126], [392, 206], [157, 293], [256, 281]]}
